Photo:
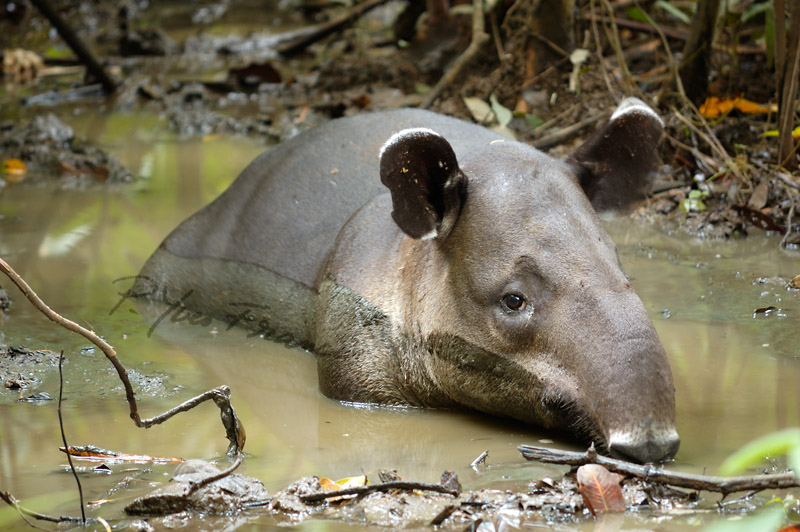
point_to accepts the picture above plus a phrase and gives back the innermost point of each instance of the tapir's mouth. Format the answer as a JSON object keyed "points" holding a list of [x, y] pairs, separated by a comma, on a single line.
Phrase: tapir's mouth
{"points": [[657, 447]]}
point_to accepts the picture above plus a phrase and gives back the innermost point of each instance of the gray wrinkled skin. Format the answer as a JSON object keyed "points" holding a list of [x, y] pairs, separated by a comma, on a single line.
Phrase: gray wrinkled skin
{"points": [[403, 295]]}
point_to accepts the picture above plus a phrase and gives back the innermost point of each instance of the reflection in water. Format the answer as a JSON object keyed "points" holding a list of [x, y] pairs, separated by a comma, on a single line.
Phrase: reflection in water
{"points": [[735, 375]]}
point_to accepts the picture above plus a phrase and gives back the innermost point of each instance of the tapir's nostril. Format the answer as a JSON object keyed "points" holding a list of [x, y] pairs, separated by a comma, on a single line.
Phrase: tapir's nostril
{"points": [[655, 449]]}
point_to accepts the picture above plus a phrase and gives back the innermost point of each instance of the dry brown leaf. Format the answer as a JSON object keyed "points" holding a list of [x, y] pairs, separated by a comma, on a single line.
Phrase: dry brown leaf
{"points": [[327, 484], [795, 282], [600, 489]]}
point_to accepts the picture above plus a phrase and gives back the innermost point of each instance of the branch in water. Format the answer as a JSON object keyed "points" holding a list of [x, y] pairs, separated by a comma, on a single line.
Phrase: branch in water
{"points": [[652, 473], [221, 396]]}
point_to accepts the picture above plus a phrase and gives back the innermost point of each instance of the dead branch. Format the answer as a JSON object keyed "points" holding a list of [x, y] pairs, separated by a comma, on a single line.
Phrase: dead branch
{"points": [[194, 486], [383, 486], [639, 26], [652, 473], [25, 513], [221, 395], [479, 38], [76, 44], [323, 30], [565, 133], [63, 434]]}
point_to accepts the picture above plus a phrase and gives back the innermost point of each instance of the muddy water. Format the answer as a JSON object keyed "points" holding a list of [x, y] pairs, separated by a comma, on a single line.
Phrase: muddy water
{"points": [[736, 375]]}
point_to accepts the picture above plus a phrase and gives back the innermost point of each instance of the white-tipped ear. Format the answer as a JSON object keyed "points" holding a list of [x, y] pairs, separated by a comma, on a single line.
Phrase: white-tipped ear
{"points": [[634, 105], [420, 169], [404, 134]]}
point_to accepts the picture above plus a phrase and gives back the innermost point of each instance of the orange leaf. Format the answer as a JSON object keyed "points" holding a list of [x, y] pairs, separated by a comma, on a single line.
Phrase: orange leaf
{"points": [[715, 106], [600, 489], [14, 169], [328, 485], [792, 528], [93, 453]]}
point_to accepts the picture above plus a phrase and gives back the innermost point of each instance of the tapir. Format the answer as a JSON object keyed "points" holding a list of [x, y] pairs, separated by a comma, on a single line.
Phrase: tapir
{"points": [[430, 261]]}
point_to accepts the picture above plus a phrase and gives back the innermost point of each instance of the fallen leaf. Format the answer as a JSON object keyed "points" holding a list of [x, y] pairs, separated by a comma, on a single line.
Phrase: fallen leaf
{"points": [[351, 482], [91, 452], [791, 528], [15, 170], [714, 106], [600, 489], [759, 196], [795, 282], [776, 133], [479, 109], [328, 485]]}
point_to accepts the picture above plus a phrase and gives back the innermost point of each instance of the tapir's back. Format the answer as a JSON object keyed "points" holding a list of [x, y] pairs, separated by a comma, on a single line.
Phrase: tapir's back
{"points": [[275, 225], [285, 210]]}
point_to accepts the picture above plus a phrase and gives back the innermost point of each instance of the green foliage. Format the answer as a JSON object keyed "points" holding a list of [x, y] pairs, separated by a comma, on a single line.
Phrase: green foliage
{"points": [[674, 11], [694, 203], [785, 442], [764, 521]]}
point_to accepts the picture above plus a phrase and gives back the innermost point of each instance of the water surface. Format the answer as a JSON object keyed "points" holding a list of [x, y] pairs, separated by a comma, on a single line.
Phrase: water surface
{"points": [[735, 374]]}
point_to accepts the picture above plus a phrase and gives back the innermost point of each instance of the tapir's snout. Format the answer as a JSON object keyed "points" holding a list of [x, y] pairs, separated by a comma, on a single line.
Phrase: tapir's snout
{"points": [[652, 446], [624, 396]]}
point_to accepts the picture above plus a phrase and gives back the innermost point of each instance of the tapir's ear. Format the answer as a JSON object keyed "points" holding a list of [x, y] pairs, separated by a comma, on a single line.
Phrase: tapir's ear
{"points": [[420, 169], [617, 165]]}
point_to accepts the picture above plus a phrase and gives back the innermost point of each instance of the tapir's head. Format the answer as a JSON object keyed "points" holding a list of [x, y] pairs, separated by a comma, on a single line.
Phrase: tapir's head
{"points": [[535, 317]]}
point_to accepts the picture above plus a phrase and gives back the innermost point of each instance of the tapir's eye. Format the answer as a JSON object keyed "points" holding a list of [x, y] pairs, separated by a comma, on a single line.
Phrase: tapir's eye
{"points": [[514, 302]]}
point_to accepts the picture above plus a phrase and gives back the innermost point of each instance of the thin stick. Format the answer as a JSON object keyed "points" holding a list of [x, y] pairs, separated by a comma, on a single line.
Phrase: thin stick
{"points": [[384, 486], [599, 49], [12, 501], [653, 473], [323, 30], [221, 395], [194, 486], [63, 434], [479, 38], [564, 133]]}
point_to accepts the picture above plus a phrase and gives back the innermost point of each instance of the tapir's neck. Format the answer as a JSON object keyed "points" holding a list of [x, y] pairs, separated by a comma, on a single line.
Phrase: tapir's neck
{"points": [[381, 310]]}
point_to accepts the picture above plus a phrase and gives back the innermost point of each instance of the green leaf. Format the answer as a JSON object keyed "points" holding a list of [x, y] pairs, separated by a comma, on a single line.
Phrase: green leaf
{"points": [[533, 120], [674, 11], [775, 444], [769, 33], [754, 10], [764, 521], [634, 13], [503, 114]]}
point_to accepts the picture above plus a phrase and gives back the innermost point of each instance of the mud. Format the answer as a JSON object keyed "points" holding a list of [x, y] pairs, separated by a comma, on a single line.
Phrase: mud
{"points": [[51, 152], [545, 502]]}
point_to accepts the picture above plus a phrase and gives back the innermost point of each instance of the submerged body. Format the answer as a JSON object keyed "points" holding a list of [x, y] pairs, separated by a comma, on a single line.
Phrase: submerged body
{"points": [[481, 278]]}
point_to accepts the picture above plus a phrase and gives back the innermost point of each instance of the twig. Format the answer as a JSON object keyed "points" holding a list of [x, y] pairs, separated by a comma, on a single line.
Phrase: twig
{"points": [[788, 224], [194, 486], [63, 434], [784, 178], [221, 395], [384, 486], [652, 473], [599, 49], [479, 38], [641, 26], [613, 37], [564, 133], [74, 42], [323, 30], [480, 459], [12, 501]]}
